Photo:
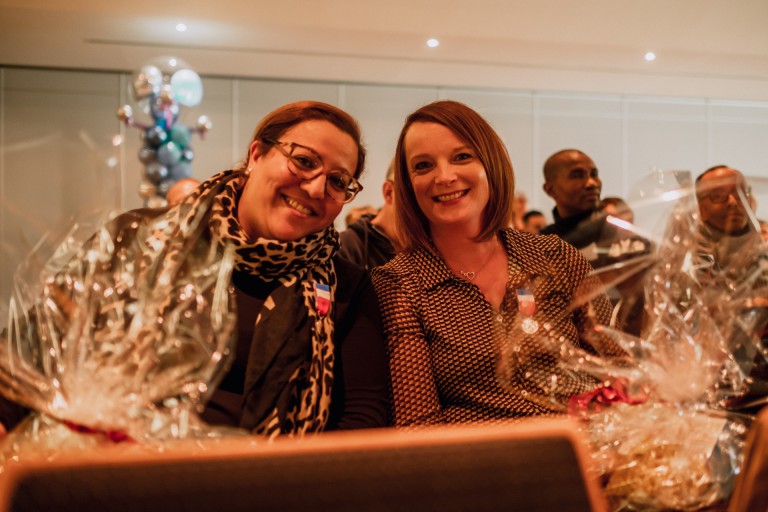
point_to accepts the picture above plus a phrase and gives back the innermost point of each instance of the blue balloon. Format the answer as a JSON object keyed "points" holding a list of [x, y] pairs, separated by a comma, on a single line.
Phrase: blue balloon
{"points": [[156, 172], [187, 154], [180, 134], [181, 170], [169, 153], [187, 87]]}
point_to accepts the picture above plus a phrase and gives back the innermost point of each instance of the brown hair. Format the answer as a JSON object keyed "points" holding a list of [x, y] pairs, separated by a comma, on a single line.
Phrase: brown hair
{"points": [[477, 133], [277, 122]]}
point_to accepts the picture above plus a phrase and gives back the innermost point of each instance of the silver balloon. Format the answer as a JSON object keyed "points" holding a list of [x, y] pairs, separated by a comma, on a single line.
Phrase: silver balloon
{"points": [[147, 155], [155, 172], [155, 135], [164, 186]]}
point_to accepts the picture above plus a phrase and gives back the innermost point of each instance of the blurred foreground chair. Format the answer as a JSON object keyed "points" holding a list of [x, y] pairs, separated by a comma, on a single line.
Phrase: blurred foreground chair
{"points": [[537, 465], [751, 491]]}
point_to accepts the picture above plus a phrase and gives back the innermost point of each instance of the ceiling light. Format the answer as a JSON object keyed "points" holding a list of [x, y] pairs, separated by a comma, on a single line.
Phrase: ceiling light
{"points": [[650, 56], [181, 27], [433, 43]]}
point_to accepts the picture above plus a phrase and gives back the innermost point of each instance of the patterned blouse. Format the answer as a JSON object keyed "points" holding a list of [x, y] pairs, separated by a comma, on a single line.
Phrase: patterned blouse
{"points": [[455, 359]]}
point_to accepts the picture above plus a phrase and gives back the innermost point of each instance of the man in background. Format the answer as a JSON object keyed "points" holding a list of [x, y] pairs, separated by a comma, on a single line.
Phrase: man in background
{"points": [[572, 180], [534, 221], [370, 241], [356, 212], [733, 249], [519, 207]]}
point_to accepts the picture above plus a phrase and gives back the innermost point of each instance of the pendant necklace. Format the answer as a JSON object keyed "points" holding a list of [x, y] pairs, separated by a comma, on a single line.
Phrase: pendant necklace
{"points": [[469, 276]]}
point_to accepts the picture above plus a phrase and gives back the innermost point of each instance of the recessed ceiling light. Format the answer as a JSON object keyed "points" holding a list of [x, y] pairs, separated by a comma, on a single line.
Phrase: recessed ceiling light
{"points": [[181, 27], [650, 56], [433, 43]]}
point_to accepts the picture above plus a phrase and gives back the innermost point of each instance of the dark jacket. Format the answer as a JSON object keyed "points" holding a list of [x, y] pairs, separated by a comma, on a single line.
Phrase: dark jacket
{"points": [[363, 244]]}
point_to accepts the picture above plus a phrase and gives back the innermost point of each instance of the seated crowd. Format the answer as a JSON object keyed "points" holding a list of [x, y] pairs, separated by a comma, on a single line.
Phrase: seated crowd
{"points": [[397, 320]]}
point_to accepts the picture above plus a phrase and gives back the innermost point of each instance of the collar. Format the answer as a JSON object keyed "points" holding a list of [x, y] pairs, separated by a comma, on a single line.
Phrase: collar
{"points": [[518, 245], [571, 221]]}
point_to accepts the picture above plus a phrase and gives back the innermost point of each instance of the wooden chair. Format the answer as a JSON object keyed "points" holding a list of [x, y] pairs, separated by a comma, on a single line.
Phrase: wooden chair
{"points": [[751, 491], [538, 465]]}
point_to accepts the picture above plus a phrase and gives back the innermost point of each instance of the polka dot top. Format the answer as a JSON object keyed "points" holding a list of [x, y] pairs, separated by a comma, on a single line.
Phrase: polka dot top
{"points": [[455, 359]]}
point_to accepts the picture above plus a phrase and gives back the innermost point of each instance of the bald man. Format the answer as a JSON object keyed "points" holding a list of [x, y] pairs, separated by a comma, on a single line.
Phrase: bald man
{"points": [[572, 180]]}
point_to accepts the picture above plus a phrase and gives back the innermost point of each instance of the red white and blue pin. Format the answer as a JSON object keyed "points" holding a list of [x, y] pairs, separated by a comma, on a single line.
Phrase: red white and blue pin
{"points": [[526, 304], [322, 298]]}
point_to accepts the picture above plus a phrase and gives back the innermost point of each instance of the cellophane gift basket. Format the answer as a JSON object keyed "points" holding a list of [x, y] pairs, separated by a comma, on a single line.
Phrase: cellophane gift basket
{"points": [[658, 415], [119, 338]]}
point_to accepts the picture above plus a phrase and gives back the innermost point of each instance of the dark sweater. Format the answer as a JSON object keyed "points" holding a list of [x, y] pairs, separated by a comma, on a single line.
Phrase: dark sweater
{"points": [[363, 244]]}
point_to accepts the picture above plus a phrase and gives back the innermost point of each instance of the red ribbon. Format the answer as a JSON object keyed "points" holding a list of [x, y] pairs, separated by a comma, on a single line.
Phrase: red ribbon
{"points": [[602, 396], [116, 436]]}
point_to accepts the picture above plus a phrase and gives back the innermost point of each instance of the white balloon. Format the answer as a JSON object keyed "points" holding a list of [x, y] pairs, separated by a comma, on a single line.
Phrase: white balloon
{"points": [[187, 87]]}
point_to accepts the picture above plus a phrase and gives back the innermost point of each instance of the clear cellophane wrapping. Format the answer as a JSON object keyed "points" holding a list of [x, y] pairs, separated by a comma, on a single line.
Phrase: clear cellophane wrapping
{"points": [[659, 418], [119, 335]]}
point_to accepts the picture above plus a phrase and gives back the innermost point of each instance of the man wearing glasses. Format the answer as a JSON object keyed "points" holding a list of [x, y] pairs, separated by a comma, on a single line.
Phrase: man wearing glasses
{"points": [[732, 245], [723, 195]]}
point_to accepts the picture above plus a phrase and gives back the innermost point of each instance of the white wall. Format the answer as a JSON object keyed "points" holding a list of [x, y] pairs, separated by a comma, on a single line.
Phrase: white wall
{"points": [[57, 128]]}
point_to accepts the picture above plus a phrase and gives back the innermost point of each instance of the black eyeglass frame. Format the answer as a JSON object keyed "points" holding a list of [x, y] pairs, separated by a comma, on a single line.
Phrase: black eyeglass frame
{"points": [[722, 197]]}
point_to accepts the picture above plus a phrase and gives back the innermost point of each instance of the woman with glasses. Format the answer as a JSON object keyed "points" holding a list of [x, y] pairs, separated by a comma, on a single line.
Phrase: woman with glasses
{"points": [[310, 354]]}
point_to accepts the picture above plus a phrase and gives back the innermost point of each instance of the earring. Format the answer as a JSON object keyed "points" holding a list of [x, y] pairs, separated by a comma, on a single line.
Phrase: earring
{"points": [[248, 171]]}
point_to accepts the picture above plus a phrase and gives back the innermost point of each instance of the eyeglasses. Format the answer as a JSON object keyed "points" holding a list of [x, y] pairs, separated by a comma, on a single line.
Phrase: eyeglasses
{"points": [[721, 196], [306, 164]]}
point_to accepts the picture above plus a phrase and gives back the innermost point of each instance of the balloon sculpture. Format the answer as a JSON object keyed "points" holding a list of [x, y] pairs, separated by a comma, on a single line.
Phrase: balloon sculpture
{"points": [[160, 87]]}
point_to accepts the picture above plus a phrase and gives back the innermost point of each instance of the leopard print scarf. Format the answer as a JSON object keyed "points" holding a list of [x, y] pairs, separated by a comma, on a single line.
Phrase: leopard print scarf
{"points": [[304, 406]]}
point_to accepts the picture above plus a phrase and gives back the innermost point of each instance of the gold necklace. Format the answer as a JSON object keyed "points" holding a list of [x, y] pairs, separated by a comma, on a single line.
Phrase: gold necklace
{"points": [[470, 275]]}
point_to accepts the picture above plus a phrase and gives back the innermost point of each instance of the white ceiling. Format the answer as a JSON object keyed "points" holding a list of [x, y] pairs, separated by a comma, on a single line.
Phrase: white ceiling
{"points": [[705, 48]]}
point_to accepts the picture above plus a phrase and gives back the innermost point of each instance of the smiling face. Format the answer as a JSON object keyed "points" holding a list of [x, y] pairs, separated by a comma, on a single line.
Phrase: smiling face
{"points": [[572, 181], [277, 205], [449, 181]]}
